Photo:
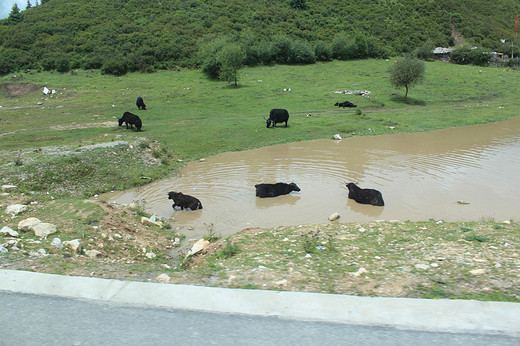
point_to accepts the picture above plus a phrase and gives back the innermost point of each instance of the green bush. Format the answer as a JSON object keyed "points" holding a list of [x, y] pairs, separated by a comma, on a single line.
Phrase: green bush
{"points": [[62, 64], [322, 51], [116, 66]]}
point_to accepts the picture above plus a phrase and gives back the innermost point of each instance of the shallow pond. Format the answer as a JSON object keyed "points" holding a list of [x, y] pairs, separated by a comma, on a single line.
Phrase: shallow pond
{"points": [[421, 176]]}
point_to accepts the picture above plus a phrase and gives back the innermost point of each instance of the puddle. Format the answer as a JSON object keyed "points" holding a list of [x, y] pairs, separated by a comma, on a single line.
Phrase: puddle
{"points": [[421, 177]]}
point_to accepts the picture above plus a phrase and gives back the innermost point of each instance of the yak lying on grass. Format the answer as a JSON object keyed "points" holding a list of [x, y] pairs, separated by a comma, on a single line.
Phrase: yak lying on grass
{"points": [[365, 196], [132, 119], [345, 104], [273, 190], [184, 202]]}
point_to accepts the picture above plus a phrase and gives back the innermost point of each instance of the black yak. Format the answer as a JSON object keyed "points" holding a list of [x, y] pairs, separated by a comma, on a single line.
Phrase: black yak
{"points": [[277, 116], [273, 190], [140, 103], [185, 202], [345, 104], [132, 119], [365, 196]]}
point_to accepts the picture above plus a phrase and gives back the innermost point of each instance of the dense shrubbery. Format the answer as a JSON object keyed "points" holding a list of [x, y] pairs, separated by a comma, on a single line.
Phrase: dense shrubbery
{"points": [[135, 35]]}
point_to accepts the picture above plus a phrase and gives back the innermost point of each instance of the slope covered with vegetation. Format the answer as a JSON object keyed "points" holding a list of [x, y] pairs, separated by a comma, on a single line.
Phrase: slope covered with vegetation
{"points": [[147, 35]]}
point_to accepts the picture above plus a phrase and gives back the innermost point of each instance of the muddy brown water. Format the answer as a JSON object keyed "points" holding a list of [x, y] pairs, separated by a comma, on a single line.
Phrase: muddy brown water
{"points": [[421, 176]]}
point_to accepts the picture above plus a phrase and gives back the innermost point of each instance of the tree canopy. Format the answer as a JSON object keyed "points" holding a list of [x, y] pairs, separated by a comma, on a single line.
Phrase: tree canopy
{"points": [[406, 72]]}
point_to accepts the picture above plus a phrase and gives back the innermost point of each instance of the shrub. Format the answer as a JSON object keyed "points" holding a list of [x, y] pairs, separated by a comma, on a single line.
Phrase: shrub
{"points": [[62, 64], [343, 48], [302, 53], [116, 66], [322, 51]]}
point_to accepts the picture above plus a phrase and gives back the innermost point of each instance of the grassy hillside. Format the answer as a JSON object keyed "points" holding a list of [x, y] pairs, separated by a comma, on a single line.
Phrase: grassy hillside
{"points": [[163, 34]]}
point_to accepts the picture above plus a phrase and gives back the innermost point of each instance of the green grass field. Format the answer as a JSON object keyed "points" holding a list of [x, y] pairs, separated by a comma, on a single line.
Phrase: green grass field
{"points": [[43, 150], [190, 116]]}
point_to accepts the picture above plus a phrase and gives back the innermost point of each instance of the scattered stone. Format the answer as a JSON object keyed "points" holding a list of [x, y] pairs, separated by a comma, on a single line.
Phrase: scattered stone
{"points": [[422, 266], [93, 253], [507, 222], [199, 246], [9, 188], [74, 245], [15, 209], [43, 229], [462, 202], [163, 278], [3, 249], [360, 271], [9, 230], [151, 255], [337, 136], [56, 242], [147, 221], [28, 224], [334, 217], [42, 251], [282, 282], [434, 265], [477, 272]]}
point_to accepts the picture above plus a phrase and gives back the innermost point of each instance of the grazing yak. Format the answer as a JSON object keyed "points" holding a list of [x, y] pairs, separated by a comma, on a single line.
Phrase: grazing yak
{"points": [[140, 103], [277, 116], [345, 104], [365, 196], [273, 190], [132, 119], [185, 202]]}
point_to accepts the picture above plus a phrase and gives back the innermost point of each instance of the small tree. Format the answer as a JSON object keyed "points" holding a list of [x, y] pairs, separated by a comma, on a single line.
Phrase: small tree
{"points": [[15, 16], [231, 59], [407, 72]]}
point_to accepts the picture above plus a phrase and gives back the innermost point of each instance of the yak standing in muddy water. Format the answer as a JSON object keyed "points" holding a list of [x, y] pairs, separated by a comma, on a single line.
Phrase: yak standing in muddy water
{"points": [[185, 202], [273, 190], [132, 119], [365, 196]]}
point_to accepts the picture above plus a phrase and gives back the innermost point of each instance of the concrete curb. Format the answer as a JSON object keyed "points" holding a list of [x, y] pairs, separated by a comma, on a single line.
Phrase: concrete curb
{"points": [[404, 313]]}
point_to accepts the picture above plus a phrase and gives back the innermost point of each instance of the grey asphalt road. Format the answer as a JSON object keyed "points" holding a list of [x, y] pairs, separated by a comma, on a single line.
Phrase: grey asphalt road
{"points": [[28, 319], [43, 309]]}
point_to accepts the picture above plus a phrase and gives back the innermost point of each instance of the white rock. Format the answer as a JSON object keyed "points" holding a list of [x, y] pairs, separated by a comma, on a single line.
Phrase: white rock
{"points": [[147, 221], [93, 253], [15, 209], [422, 266], [9, 230], [151, 255], [334, 217], [282, 282], [74, 245], [3, 249], [28, 224], [9, 188], [43, 229], [56, 242], [199, 246], [360, 271], [478, 271], [164, 278], [42, 251]]}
